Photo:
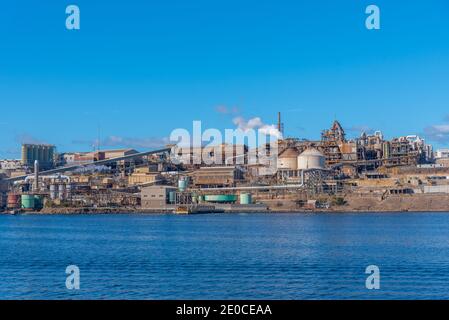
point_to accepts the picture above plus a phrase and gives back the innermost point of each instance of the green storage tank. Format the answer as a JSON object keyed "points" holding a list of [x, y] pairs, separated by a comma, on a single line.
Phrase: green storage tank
{"points": [[28, 201], [172, 197], [38, 202], [182, 184], [221, 198], [245, 198]]}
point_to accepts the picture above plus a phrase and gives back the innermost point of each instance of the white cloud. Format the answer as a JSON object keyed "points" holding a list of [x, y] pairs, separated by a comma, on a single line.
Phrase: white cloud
{"points": [[127, 142], [225, 110], [28, 138], [360, 129], [256, 123], [438, 133]]}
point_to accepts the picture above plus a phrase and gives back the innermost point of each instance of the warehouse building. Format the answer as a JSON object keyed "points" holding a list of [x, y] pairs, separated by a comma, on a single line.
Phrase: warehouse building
{"points": [[213, 177], [157, 197], [144, 176]]}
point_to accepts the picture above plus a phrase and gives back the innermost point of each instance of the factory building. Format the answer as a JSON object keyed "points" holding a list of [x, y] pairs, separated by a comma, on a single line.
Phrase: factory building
{"points": [[74, 158], [211, 177], [144, 176], [372, 151], [443, 162], [43, 153], [222, 154], [330, 143], [157, 197], [442, 153], [10, 164], [111, 154], [333, 165], [291, 163]]}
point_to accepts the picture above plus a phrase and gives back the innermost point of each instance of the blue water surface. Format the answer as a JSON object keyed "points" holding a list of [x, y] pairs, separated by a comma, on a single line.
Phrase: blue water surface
{"points": [[225, 256]]}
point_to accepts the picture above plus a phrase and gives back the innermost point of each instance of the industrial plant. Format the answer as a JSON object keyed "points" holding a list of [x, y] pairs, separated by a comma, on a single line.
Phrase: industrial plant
{"points": [[332, 174]]}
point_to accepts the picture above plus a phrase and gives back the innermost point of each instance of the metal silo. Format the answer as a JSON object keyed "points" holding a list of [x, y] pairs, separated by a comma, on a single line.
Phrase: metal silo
{"points": [[52, 191], [28, 201], [172, 197], [288, 159], [61, 191], [38, 202], [245, 198], [182, 184], [311, 159]]}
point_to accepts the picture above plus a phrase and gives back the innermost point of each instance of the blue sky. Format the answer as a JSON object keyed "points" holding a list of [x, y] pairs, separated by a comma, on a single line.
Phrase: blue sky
{"points": [[139, 69]]}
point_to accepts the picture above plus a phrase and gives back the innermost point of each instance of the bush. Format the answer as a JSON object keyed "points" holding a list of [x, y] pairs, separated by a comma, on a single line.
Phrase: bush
{"points": [[339, 201]]}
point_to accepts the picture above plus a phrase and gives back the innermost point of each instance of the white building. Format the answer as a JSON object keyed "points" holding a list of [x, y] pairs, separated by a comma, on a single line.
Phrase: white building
{"points": [[442, 153], [10, 164]]}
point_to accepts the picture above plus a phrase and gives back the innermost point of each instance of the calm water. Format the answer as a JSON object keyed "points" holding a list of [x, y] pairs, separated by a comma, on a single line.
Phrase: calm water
{"points": [[257, 256]]}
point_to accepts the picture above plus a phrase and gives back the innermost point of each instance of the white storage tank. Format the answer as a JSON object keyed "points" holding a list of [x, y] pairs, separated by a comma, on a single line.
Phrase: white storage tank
{"points": [[288, 159], [61, 192], [311, 159]]}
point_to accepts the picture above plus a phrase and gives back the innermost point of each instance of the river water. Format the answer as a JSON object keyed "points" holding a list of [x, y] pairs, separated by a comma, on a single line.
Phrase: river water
{"points": [[225, 256]]}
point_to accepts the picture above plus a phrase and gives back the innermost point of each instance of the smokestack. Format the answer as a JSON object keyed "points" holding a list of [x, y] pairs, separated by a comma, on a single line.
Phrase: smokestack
{"points": [[280, 125], [279, 122], [36, 175]]}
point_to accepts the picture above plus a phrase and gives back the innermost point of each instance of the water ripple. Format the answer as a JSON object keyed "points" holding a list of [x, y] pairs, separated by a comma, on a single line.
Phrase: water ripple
{"points": [[269, 256]]}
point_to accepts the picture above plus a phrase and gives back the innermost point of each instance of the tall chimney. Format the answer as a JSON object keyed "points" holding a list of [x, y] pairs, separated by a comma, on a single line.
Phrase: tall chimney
{"points": [[280, 125], [279, 122], [36, 175]]}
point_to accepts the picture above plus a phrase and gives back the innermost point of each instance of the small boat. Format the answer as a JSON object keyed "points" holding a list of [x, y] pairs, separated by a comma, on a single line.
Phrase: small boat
{"points": [[182, 210], [197, 209]]}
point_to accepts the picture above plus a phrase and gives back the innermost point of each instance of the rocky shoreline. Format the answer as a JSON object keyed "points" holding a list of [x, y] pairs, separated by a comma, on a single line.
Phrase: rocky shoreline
{"points": [[77, 211], [353, 204]]}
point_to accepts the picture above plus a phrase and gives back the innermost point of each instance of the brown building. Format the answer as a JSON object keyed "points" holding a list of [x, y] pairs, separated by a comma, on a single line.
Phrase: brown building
{"points": [[87, 157], [110, 154], [156, 197], [443, 162], [348, 151], [214, 155], [217, 176], [144, 176]]}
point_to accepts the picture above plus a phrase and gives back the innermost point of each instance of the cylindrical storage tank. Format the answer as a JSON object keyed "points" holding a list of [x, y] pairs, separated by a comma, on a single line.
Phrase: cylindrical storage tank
{"points": [[68, 189], [38, 202], [288, 159], [245, 198], [61, 191], [182, 184], [172, 197], [28, 201], [13, 201], [52, 191], [221, 198], [311, 159]]}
